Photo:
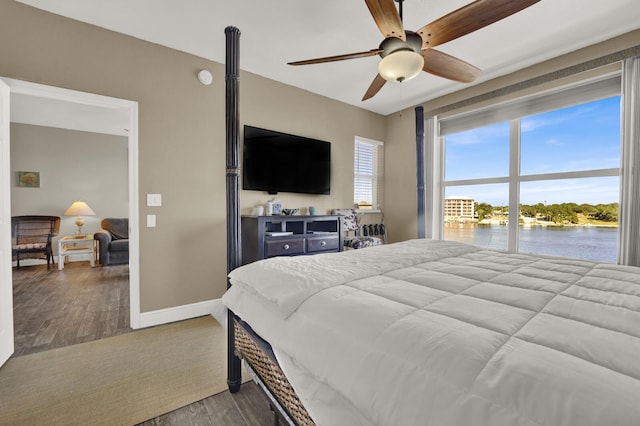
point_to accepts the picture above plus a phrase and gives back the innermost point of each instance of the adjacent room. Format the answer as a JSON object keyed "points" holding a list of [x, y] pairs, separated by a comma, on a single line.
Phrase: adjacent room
{"points": [[79, 157], [372, 212]]}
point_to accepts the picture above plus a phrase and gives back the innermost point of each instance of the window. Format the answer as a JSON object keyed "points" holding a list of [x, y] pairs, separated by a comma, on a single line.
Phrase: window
{"points": [[368, 170], [543, 174]]}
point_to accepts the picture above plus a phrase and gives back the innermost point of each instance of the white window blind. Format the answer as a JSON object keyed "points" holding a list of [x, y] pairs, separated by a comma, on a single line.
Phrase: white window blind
{"points": [[604, 87], [368, 172]]}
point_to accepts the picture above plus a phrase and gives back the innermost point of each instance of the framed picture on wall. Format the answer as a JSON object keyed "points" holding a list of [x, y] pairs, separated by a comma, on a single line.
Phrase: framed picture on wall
{"points": [[28, 179]]}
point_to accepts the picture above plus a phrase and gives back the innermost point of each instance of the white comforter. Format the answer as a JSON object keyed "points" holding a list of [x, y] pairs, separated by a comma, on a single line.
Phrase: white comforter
{"points": [[440, 333]]}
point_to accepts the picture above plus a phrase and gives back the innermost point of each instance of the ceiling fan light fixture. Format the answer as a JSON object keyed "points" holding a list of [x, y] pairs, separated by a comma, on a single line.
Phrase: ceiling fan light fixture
{"points": [[402, 65]]}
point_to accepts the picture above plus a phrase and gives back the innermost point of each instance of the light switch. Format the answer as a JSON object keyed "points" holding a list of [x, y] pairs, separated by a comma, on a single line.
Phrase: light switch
{"points": [[154, 200], [151, 221]]}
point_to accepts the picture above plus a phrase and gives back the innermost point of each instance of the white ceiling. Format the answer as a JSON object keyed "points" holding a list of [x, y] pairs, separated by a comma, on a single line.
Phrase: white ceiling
{"points": [[275, 32]]}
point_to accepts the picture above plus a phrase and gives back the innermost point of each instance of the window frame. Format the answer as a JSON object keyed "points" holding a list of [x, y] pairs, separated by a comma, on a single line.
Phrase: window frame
{"points": [[513, 112], [377, 175]]}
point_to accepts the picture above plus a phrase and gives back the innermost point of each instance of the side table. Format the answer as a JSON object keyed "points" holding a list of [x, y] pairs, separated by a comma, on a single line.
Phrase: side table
{"points": [[72, 245]]}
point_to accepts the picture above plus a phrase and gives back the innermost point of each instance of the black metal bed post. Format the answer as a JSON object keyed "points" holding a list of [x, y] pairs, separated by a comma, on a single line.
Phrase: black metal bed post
{"points": [[234, 371], [420, 170]]}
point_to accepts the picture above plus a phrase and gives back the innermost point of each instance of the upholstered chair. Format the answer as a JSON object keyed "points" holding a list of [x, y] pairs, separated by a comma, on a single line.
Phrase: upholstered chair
{"points": [[113, 241], [359, 236]]}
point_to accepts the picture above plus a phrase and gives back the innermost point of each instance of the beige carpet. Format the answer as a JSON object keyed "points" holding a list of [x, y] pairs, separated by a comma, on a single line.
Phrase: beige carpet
{"points": [[121, 380]]}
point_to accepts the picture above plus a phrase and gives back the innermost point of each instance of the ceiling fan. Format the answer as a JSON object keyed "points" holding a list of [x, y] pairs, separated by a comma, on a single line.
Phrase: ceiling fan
{"points": [[406, 53]]}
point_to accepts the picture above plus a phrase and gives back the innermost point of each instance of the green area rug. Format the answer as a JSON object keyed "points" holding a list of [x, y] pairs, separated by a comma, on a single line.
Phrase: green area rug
{"points": [[120, 380]]}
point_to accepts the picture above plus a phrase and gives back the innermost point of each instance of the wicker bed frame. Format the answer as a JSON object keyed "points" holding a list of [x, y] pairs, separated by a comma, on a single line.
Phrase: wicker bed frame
{"points": [[260, 359]]}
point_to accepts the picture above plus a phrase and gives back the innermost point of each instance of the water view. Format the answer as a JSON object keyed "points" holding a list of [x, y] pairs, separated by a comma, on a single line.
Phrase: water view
{"points": [[566, 185], [582, 242]]}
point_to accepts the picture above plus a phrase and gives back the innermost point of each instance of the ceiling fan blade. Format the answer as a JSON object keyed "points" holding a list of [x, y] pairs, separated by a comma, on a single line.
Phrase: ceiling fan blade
{"points": [[371, 52], [387, 18], [468, 19], [447, 66], [375, 87]]}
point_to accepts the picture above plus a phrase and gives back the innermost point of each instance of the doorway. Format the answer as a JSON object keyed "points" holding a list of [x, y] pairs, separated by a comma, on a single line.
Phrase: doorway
{"points": [[92, 113]]}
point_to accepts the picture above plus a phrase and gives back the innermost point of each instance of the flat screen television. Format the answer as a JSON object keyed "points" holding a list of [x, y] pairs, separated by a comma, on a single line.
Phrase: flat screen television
{"points": [[279, 162]]}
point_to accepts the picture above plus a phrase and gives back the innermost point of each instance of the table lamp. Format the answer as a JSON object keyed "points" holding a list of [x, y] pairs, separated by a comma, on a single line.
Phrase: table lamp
{"points": [[79, 208]]}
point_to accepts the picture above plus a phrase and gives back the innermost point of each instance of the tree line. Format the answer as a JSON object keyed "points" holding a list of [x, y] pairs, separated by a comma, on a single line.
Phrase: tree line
{"points": [[558, 213]]}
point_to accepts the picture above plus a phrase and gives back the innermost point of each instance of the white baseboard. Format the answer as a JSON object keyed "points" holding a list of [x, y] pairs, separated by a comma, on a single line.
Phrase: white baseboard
{"points": [[29, 262], [177, 313], [32, 262]]}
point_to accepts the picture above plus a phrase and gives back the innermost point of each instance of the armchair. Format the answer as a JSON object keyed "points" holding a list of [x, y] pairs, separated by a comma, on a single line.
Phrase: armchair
{"points": [[113, 241], [31, 237]]}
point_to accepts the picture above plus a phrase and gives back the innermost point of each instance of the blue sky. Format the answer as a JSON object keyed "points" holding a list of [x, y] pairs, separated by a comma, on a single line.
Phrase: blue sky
{"points": [[582, 137]]}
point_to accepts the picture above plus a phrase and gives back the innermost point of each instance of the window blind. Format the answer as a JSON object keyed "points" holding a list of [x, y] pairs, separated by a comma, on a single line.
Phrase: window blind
{"points": [[574, 95], [368, 172]]}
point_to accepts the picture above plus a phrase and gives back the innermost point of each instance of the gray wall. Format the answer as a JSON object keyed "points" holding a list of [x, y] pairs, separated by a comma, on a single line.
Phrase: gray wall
{"points": [[72, 165]]}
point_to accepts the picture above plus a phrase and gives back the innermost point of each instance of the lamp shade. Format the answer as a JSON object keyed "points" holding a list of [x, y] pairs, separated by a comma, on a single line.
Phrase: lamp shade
{"points": [[401, 65], [79, 208]]}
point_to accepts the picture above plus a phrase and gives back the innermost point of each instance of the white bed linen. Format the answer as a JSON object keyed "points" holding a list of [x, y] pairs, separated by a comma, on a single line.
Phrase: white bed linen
{"points": [[440, 333]]}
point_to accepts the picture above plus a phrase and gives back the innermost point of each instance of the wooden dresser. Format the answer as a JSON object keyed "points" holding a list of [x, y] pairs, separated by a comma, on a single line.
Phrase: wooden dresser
{"points": [[269, 236]]}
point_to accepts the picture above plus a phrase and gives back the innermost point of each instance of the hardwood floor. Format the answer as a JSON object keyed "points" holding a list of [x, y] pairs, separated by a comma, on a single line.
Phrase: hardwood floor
{"points": [[79, 304], [249, 407], [53, 308]]}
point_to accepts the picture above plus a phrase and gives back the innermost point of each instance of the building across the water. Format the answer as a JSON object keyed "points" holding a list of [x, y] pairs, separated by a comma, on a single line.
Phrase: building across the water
{"points": [[459, 209]]}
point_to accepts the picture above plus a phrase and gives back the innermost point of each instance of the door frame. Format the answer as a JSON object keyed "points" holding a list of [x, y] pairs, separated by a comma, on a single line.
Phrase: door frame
{"points": [[6, 287], [94, 100]]}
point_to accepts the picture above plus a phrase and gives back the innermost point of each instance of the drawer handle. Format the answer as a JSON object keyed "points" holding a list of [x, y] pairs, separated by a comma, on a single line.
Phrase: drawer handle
{"points": [[286, 246], [323, 243]]}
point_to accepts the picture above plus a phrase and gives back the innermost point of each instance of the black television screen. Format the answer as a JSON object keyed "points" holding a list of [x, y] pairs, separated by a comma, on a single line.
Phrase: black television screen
{"points": [[279, 162]]}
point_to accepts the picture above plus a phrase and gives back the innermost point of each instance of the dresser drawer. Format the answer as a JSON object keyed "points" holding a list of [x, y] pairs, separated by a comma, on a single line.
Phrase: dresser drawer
{"points": [[281, 247], [322, 244]]}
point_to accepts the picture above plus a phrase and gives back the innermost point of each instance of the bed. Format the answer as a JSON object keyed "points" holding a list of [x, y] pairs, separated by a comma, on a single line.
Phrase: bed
{"points": [[443, 333], [428, 332]]}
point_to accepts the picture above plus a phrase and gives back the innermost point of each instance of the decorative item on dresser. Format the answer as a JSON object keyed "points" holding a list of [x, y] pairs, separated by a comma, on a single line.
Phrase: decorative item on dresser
{"points": [[269, 236]]}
